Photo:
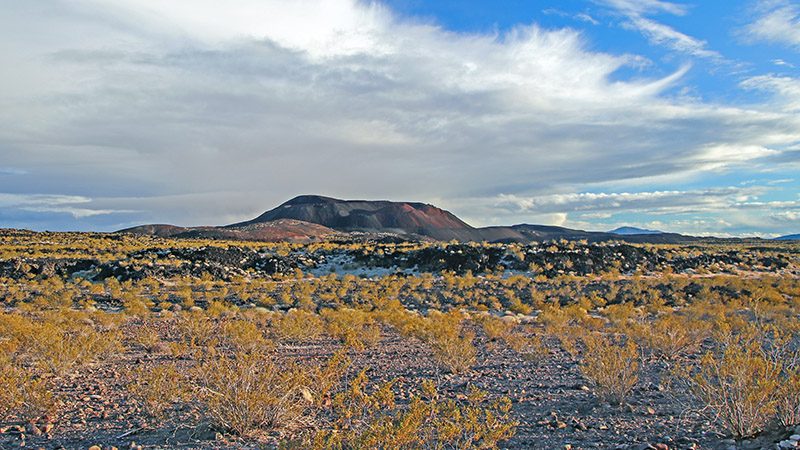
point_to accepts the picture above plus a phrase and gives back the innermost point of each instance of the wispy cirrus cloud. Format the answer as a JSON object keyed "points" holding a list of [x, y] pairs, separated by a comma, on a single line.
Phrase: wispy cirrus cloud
{"points": [[580, 16], [785, 90], [636, 14], [775, 21], [12, 171], [657, 202], [76, 206]]}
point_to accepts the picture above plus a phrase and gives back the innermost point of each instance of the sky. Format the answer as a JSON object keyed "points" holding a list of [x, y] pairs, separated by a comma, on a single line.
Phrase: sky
{"points": [[682, 116]]}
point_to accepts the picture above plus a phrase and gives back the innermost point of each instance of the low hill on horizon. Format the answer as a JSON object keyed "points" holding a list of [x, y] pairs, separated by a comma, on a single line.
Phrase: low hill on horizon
{"points": [[274, 231]]}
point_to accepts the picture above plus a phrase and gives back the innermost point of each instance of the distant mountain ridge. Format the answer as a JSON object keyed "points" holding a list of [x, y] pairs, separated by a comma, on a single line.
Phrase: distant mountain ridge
{"points": [[309, 218], [789, 237], [625, 231]]}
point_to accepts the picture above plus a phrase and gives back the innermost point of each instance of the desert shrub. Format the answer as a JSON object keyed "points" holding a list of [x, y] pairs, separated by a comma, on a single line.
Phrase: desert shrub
{"points": [[623, 313], [136, 306], [157, 388], [242, 336], [611, 366], [144, 336], [252, 392], [354, 328], [218, 308], [515, 305], [407, 323], [558, 324], [787, 398], [496, 329], [296, 325], [60, 347], [197, 331], [22, 395], [779, 336], [506, 331], [451, 342], [672, 336], [13, 329], [364, 420], [736, 385], [325, 377]]}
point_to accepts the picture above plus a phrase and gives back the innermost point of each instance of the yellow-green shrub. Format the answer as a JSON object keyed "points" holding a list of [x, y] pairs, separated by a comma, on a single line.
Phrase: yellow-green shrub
{"points": [[612, 367], [365, 420], [354, 328], [451, 342], [296, 325], [157, 388]]}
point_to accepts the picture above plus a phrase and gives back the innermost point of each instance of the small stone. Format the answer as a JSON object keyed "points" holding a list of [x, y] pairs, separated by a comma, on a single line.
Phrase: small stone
{"points": [[650, 411], [661, 446], [795, 437], [567, 446], [307, 396], [95, 447], [34, 430]]}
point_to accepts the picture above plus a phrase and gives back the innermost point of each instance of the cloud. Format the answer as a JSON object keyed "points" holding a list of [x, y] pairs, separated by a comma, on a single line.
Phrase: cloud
{"points": [[12, 171], [66, 204], [734, 210], [640, 7], [658, 202], [582, 16], [786, 90], [777, 22], [206, 112], [635, 12]]}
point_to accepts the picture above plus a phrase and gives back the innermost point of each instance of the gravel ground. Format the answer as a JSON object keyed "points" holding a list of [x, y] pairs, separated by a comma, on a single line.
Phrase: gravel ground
{"points": [[551, 400]]}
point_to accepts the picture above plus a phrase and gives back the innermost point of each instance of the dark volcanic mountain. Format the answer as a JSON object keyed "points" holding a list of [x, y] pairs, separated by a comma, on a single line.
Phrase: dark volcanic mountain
{"points": [[312, 218], [371, 216], [790, 237]]}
